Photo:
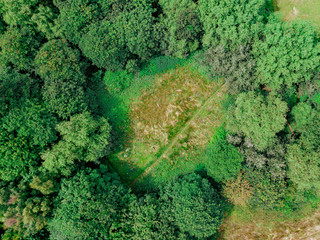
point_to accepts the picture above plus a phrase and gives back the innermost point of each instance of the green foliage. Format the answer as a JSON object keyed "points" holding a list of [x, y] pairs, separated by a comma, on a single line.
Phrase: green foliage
{"points": [[182, 27], [57, 60], [307, 119], [84, 139], [44, 21], [15, 89], [60, 67], [237, 67], [104, 45], [91, 206], [111, 34], [287, 55], [75, 17], [303, 166], [139, 32], [19, 47], [17, 156], [32, 13], [231, 22], [267, 193], [303, 115], [33, 122], [258, 118], [194, 205], [221, 159], [145, 221], [117, 81], [18, 12]]}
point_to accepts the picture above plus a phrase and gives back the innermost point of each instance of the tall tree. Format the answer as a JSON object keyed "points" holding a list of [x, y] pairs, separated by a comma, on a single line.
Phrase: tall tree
{"points": [[104, 45], [258, 118], [193, 205], [91, 206], [304, 166], [84, 139], [231, 22], [288, 54], [236, 66], [60, 66], [182, 27], [19, 47]]}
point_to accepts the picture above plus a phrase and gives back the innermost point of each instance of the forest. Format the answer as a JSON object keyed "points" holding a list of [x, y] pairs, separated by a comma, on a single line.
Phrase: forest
{"points": [[159, 119]]}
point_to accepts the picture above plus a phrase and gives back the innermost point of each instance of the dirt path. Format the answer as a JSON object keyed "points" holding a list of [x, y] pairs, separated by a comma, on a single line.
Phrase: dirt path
{"points": [[167, 149]]}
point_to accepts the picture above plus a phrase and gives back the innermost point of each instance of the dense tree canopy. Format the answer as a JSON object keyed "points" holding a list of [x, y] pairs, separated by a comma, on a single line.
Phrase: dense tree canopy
{"points": [[304, 166], [231, 22], [60, 67], [84, 139], [19, 47], [288, 54], [222, 160], [183, 27], [71, 73], [194, 204], [91, 206], [258, 118], [237, 67]]}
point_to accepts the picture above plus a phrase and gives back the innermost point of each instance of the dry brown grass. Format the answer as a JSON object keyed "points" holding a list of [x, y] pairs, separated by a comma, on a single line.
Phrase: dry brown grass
{"points": [[260, 225], [159, 114]]}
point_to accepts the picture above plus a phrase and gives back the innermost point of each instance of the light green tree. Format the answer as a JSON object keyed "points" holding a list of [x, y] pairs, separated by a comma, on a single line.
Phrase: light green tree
{"points": [[258, 118], [84, 139]]}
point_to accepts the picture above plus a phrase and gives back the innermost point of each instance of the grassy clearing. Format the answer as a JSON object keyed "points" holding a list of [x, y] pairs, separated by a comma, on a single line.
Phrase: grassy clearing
{"points": [[164, 121], [183, 154], [299, 9]]}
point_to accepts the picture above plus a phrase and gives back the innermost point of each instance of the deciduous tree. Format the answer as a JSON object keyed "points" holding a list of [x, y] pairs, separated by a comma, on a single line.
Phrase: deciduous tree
{"points": [[84, 139], [258, 118]]}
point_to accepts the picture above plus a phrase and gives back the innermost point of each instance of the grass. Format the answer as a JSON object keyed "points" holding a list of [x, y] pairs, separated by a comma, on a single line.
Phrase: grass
{"points": [[299, 9], [164, 116], [251, 223], [183, 154]]}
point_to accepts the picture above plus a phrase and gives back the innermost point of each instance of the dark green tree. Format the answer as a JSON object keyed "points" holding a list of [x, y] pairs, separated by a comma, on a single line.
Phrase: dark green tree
{"points": [[221, 159], [76, 16], [18, 12], [91, 205], [182, 27], [63, 72], [104, 45], [33, 122], [17, 156], [30, 13], [139, 32], [19, 47], [193, 205], [15, 89]]}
